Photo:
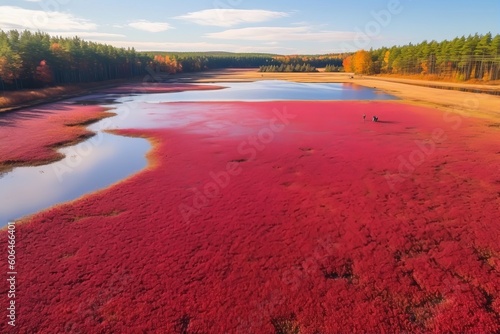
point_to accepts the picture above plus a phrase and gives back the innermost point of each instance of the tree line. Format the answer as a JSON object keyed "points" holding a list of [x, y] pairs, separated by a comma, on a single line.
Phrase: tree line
{"points": [[334, 68], [318, 61], [463, 58], [288, 68], [175, 62], [30, 60]]}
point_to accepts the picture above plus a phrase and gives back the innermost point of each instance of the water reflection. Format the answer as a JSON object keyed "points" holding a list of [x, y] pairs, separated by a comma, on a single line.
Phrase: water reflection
{"points": [[87, 167], [274, 90], [163, 110]]}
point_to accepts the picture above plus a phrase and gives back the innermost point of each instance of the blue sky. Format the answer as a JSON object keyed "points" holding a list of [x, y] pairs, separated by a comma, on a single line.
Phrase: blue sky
{"points": [[285, 27]]}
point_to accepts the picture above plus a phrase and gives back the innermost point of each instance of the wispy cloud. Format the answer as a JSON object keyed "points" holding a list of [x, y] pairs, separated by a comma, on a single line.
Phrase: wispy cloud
{"points": [[230, 17], [283, 34], [149, 26], [19, 18]]}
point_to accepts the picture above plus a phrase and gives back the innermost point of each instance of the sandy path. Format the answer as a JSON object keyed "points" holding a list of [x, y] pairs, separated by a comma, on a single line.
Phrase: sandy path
{"points": [[467, 104], [418, 82]]}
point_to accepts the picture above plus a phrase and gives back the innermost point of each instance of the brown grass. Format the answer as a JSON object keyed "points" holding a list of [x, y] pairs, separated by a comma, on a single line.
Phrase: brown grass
{"points": [[433, 77], [11, 99], [28, 97]]}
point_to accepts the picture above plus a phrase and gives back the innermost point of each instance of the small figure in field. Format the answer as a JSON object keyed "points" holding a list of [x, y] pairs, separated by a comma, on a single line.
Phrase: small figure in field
{"points": [[364, 117], [375, 119]]}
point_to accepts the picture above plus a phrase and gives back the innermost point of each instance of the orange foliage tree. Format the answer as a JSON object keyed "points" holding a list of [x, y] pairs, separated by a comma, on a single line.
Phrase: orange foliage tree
{"points": [[362, 62], [168, 64], [347, 63]]}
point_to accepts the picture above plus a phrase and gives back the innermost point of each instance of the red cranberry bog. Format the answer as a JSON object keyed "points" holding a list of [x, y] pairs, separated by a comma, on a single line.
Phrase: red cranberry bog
{"points": [[269, 217]]}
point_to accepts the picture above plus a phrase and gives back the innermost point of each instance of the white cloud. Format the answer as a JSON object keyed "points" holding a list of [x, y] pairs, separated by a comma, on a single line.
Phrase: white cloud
{"points": [[283, 34], [230, 17], [150, 26], [33, 0], [19, 18]]}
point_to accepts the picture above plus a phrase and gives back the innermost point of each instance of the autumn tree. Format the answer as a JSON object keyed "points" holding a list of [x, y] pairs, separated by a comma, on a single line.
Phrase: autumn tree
{"points": [[44, 73], [10, 62], [385, 63], [362, 62], [347, 64]]}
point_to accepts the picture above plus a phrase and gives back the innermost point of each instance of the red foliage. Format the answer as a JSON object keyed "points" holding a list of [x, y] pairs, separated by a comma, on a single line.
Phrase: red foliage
{"points": [[308, 234], [44, 73], [30, 136]]}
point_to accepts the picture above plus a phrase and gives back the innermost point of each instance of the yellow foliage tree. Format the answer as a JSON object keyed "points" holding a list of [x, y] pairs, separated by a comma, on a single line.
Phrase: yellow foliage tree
{"points": [[385, 66], [10, 66], [347, 63], [362, 62], [425, 67]]}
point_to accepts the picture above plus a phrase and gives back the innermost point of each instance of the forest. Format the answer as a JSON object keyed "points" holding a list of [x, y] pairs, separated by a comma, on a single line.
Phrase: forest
{"points": [[30, 60], [176, 62], [475, 57], [304, 63], [36, 59]]}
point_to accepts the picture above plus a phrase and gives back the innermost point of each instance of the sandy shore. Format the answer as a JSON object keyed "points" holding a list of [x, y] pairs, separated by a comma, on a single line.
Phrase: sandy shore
{"points": [[465, 103]]}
